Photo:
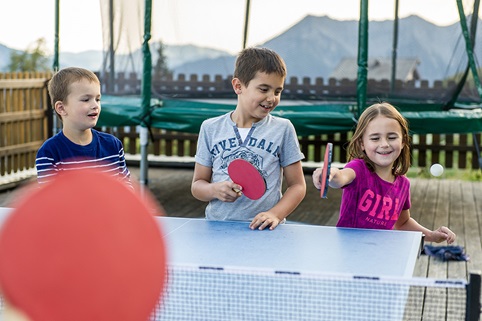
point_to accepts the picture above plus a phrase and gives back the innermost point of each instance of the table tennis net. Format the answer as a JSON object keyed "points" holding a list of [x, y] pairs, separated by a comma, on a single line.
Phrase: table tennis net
{"points": [[213, 293]]}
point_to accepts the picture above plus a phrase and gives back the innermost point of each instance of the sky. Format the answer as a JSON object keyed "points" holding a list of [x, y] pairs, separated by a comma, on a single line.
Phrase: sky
{"points": [[216, 24]]}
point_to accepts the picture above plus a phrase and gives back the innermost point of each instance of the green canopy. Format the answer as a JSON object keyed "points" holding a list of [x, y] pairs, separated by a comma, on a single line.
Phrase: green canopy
{"points": [[309, 118]]}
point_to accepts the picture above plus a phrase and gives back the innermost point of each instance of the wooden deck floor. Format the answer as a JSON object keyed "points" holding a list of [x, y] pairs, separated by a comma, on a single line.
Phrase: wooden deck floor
{"points": [[435, 202]]}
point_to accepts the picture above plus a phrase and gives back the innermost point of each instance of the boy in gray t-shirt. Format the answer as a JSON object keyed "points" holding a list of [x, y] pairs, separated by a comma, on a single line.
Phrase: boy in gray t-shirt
{"points": [[252, 133]]}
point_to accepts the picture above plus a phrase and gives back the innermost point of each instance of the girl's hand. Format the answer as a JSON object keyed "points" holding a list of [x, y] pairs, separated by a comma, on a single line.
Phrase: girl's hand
{"points": [[316, 177], [442, 234]]}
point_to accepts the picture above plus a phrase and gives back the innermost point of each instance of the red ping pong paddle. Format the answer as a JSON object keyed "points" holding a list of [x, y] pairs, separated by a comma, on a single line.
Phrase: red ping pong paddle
{"points": [[248, 176], [84, 246], [325, 174]]}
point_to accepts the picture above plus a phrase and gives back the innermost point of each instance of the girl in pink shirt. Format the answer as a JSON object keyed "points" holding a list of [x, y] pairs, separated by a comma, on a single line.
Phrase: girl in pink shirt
{"points": [[376, 192]]}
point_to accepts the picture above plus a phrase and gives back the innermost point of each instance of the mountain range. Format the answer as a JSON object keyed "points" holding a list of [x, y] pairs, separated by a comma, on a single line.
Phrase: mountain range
{"points": [[312, 48]]}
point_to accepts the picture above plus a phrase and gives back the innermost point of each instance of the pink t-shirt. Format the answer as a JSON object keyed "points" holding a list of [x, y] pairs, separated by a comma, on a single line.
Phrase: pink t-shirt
{"points": [[371, 202]]}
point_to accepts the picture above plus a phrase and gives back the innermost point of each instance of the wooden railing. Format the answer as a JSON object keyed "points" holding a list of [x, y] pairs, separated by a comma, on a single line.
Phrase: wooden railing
{"points": [[26, 122], [318, 88], [452, 151]]}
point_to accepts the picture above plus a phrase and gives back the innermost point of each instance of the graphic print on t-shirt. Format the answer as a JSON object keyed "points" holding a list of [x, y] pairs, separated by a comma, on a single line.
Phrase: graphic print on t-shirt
{"points": [[246, 154], [379, 209]]}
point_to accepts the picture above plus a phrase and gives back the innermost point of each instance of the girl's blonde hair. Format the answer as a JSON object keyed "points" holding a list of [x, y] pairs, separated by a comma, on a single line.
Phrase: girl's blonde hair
{"points": [[402, 163]]}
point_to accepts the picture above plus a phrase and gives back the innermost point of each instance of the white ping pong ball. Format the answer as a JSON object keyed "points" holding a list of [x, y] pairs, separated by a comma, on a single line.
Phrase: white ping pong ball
{"points": [[436, 170]]}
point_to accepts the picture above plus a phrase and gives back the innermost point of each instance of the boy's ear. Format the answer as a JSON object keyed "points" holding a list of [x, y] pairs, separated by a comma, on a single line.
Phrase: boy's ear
{"points": [[236, 85], [59, 107]]}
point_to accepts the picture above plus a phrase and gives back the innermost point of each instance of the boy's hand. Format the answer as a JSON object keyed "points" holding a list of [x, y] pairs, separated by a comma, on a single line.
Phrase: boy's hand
{"points": [[227, 191], [263, 220]]}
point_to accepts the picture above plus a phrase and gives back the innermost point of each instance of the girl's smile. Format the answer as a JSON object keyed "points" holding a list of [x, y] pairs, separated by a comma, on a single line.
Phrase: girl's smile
{"points": [[382, 142]]}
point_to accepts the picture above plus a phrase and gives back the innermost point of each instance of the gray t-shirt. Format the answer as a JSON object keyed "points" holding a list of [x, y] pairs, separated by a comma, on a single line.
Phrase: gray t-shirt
{"points": [[271, 144]]}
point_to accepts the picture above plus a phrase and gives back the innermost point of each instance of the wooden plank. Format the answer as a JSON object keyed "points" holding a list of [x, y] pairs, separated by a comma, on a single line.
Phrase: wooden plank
{"points": [[9, 84], [476, 251], [452, 216], [20, 148], [436, 300], [173, 191], [462, 163], [21, 115], [457, 213], [418, 191], [471, 208]]}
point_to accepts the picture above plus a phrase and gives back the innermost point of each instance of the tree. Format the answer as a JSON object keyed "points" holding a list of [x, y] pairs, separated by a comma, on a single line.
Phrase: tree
{"points": [[33, 59], [160, 70]]}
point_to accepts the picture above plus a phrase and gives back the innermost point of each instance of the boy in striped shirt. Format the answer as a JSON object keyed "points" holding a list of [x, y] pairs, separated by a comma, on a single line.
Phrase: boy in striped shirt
{"points": [[75, 96]]}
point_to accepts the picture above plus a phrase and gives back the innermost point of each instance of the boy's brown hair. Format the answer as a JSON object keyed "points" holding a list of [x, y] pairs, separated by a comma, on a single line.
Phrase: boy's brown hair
{"points": [[253, 60]]}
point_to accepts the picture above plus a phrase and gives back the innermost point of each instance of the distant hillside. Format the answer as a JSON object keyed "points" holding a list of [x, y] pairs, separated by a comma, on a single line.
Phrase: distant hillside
{"points": [[311, 48], [316, 45], [88, 59], [177, 56], [5, 53]]}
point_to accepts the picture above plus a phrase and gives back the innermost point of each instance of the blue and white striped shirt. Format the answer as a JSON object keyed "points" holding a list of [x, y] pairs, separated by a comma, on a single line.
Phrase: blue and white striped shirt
{"points": [[104, 153]]}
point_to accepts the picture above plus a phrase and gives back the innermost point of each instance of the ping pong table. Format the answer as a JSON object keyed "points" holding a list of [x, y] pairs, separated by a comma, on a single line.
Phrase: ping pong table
{"points": [[221, 270], [225, 271], [291, 247]]}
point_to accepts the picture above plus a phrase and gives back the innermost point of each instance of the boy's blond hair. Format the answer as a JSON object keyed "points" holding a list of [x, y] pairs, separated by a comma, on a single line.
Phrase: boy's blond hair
{"points": [[59, 85]]}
